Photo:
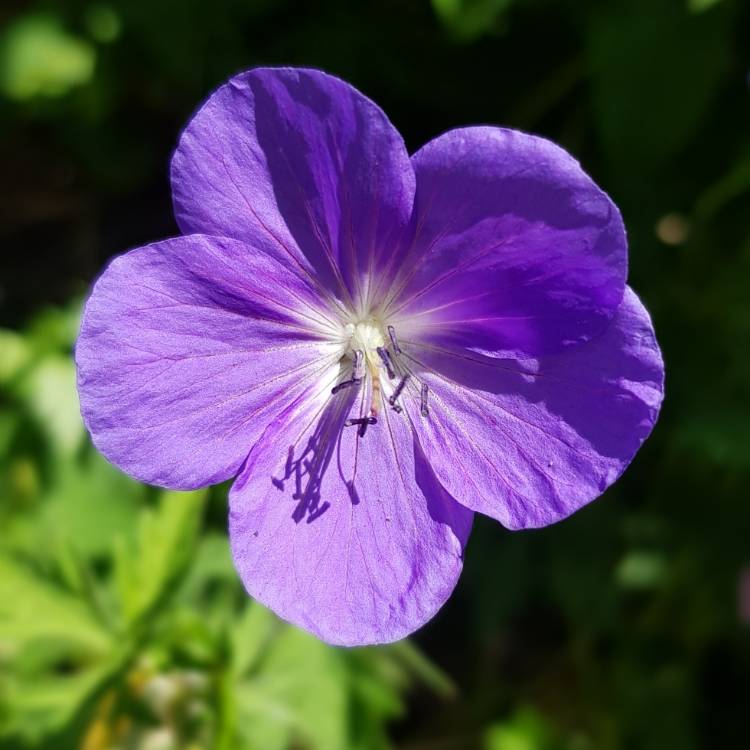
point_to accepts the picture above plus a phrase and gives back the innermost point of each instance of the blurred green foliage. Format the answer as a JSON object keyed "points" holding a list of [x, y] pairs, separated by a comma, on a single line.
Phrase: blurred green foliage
{"points": [[122, 623], [38, 58]]}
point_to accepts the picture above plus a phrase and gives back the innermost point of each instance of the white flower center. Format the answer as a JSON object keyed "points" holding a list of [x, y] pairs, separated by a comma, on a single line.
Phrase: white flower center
{"points": [[367, 336], [372, 359]]}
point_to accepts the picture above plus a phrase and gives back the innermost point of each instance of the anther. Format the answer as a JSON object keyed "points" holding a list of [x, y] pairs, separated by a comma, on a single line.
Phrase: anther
{"points": [[397, 391], [386, 358], [357, 374], [423, 401], [394, 340], [362, 422], [344, 384]]}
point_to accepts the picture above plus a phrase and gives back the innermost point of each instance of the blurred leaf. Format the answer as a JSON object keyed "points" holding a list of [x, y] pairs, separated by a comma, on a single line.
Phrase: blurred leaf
{"points": [[656, 71], [54, 329], [33, 609], [698, 6], [250, 637], [148, 570], [91, 503], [38, 57], [423, 669], [50, 391], [103, 23], [468, 19], [299, 692], [58, 655], [641, 569], [730, 187], [38, 708], [14, 355], [526, 730]]}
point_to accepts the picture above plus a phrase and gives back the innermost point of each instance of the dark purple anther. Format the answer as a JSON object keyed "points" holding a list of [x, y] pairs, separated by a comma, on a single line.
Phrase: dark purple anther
{"points": [[344, 384], [394, 340], [386, 358], [423, 401], [362, 422], [397, 392]]}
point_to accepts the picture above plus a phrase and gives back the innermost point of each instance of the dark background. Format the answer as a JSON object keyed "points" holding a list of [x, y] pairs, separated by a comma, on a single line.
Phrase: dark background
{"points": [[121, 622]]}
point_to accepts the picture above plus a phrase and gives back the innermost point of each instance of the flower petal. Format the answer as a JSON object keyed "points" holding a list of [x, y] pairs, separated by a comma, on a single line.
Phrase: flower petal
{"points": [[351, 538], [305, 158], [528, 443], [184, 356], [517, 251]]}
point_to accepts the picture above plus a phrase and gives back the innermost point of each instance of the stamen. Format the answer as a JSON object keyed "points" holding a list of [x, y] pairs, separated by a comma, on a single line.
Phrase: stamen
{"points": [[394, 340], [344, 384], [397, 392], [362, 422], [386, 358], [358, 361], [423, 401], [357, 373]]}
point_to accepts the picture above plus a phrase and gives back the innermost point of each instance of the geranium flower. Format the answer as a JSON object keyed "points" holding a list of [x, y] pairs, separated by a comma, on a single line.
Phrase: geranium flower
{"points": [[376, 346]]}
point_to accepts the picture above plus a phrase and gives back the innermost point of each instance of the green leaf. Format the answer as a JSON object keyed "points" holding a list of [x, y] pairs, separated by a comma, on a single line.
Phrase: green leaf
{"points": [[39, 58], [58, 656], [15, 354], [425, 671], [655, 75], [250, 637], [38, 708], [297, 695], [641, 569], [91, 503], [469, 19], [49, 389], [527, 729], [148, 571], [699, 6], [34, 609]]}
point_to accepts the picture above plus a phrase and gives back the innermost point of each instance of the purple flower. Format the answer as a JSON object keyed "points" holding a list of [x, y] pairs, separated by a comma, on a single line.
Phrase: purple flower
{"points": [[374, 345]]}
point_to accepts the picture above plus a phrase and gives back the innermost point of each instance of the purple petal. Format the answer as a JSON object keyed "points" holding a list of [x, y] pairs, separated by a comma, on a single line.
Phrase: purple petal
{"points": [[517, 251], [351, 538], [188, 348], [529, 443], [306, 159]]}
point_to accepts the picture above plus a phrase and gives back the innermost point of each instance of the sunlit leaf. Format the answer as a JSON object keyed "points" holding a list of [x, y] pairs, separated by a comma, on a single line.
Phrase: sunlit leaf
{"points": [[31, 609], [90, 504], [641, 569], [15, 353], [525, 730], [50, 391], [299, 692], [250, 636], [148, 570], [468, 19], [38, 57], [698, 6]]}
